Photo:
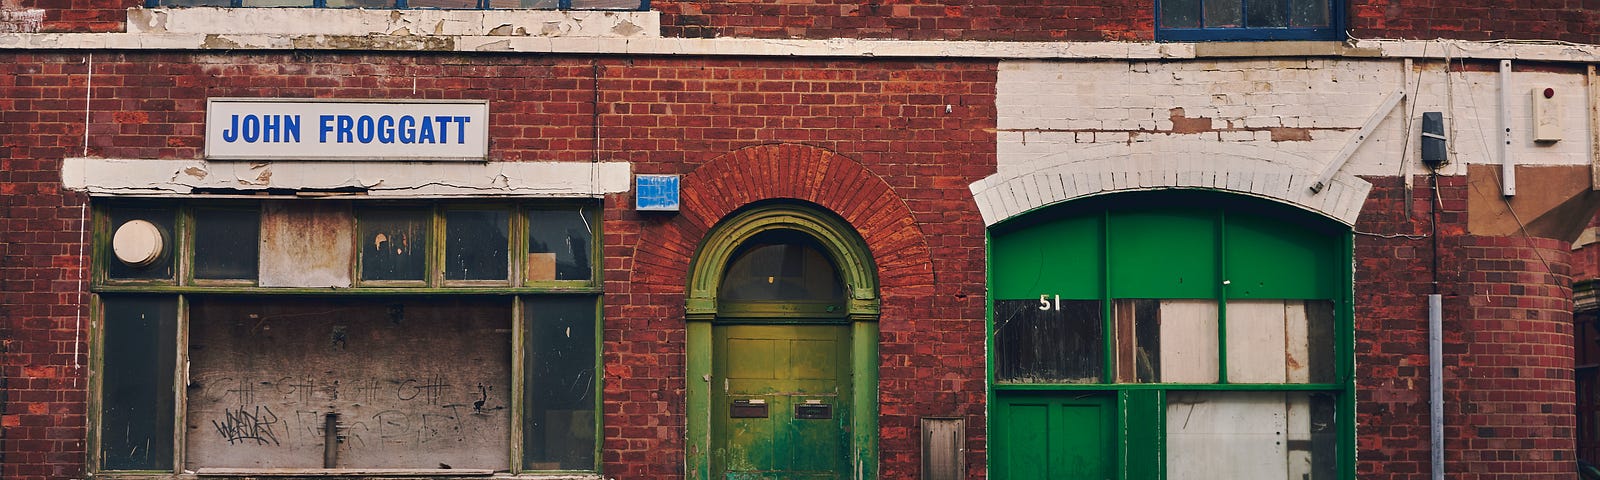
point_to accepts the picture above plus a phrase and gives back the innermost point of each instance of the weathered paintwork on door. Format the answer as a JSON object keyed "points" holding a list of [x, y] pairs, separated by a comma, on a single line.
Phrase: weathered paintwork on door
{"points": [[786, 368], [1046, 436]]}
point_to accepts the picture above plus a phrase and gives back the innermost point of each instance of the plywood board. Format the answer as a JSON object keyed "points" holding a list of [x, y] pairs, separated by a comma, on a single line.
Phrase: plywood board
{"points": [[1188, 341], [1255, 337], [1226, 435], [412, 384], [306, 244]]}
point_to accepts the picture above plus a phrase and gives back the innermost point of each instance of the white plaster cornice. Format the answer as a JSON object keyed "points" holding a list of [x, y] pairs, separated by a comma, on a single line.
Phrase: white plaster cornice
{"points": [[350, 179], [400, 39]]}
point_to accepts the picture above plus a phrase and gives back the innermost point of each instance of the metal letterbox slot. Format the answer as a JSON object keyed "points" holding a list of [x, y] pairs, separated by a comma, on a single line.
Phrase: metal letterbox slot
{"points": [[813, 411], [754, 408]]}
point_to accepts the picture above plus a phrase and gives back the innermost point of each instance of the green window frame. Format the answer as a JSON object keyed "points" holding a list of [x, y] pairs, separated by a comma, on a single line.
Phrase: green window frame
{"points": [[143, 315], [1080, 275]]}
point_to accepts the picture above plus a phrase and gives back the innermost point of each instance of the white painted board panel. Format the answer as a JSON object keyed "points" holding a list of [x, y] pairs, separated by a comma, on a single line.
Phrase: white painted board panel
{"points": [[1255, 336], [1188, 341], [1226, 435]]}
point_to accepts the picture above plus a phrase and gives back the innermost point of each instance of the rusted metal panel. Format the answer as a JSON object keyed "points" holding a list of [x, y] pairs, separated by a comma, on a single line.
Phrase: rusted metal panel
{"points": [[306, 244], [408, 383]]}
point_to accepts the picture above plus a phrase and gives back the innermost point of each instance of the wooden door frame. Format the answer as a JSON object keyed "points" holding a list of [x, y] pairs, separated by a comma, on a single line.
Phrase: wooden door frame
{"points": [[856, 269]]}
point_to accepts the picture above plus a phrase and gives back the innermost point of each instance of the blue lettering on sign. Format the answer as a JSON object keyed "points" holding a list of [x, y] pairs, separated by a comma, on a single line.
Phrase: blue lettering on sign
{"points": [[389, 129], [263, 129]]}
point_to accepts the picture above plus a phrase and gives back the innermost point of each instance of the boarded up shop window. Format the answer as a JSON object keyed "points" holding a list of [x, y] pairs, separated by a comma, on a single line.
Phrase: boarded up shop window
{"points": [[431, 351], [1288, 435], [411, 383], [1062, 342]]}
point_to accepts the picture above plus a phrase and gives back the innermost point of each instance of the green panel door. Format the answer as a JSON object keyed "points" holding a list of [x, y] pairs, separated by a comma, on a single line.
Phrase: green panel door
{"points": [[780, 402], [1053, 436]]}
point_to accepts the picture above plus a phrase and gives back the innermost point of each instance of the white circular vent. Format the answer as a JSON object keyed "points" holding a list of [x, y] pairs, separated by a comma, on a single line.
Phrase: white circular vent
{"points": [[137, 243]]}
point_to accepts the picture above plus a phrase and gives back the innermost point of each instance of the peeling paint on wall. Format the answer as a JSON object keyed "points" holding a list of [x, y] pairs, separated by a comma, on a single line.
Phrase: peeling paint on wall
{"points": [[399, 23], [21, 21], [376, 179]]}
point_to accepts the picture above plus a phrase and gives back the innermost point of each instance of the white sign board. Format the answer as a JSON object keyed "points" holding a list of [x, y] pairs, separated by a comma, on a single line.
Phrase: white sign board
{"points": [[313, 129]]}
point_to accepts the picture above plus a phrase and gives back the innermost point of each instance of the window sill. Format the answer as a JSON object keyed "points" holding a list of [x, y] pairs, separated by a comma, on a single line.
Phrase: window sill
{"points": [[421, 23]]}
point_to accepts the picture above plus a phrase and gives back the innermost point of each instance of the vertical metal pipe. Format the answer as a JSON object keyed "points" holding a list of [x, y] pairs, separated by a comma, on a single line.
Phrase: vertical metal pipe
{"points": [[1436, 383], [330, 440]]}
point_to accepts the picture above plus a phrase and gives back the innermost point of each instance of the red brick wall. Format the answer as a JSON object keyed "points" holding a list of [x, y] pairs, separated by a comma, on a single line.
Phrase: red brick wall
{"points": [[1508, 354], [1567, 20], [42, 413], [913, 134], [1096, 20]]}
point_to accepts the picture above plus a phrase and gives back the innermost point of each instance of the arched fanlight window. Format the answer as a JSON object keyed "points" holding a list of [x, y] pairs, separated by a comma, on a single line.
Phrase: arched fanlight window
{"points": [[782, 266]]}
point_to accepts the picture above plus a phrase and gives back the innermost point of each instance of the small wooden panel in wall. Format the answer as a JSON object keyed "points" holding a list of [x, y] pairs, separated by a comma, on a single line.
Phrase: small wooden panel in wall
{"points": [[405, 383]]}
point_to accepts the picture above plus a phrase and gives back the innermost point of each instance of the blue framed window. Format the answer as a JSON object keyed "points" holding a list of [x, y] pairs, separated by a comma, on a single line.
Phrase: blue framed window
{"points": [[418, 4], [1201, 20]]}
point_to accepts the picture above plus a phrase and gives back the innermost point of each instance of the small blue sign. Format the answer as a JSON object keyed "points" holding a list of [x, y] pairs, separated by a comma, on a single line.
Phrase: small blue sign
{"points": [[655, 193]]}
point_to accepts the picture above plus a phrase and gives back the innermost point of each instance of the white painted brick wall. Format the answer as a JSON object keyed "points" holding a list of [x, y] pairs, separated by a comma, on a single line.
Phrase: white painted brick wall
{"points": [[1047, 107]]}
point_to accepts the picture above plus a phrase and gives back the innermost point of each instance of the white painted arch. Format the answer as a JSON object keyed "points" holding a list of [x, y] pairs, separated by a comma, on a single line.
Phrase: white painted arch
{"points": [[1239, 168]]}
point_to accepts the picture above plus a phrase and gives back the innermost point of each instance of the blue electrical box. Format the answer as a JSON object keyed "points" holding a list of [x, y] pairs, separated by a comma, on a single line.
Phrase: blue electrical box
{"points": [[655, 193]]}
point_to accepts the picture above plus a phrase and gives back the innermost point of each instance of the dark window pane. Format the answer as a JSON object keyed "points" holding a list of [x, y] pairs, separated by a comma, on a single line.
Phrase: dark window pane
{"points": [[559, 366], [394, 244], [275, 3], [226, 243], [409, 382], [475, 246], [1223, 13], [559, 244], [1309, 13], [360, 3], [1180, 13], [161, 267], [1047, 341], [781, 266], [442, 4], [1267, 14], [136, 382], [536, 4]]}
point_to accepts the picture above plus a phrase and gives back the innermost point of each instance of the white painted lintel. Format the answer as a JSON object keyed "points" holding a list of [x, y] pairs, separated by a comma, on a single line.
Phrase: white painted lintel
{"points": [[648, 45], [131, 177]]}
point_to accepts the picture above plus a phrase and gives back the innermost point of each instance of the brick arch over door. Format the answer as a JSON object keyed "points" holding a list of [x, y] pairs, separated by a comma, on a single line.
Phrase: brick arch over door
{"points": [[797, 172]]}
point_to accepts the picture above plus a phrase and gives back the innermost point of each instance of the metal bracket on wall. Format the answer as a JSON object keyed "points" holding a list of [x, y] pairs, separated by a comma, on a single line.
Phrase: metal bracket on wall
{"points": [[1594, 129], [1508, 165], [1355, 142]]}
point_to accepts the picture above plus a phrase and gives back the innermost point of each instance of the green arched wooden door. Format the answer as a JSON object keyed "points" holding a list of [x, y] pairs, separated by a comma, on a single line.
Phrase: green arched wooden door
{"points": [[781, 368], [782, 350]]}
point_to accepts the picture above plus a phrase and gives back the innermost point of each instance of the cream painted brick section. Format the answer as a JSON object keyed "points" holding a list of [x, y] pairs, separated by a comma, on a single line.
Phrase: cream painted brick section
{"points": [[1047, 107]]}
